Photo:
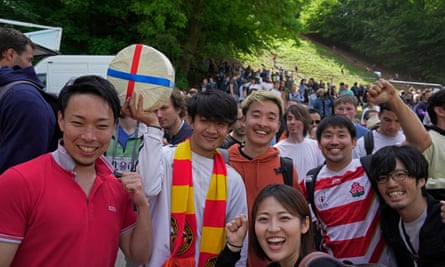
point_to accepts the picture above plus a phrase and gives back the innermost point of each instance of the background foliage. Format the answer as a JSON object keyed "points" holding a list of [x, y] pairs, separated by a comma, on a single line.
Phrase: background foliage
{"points": [[405, 35], [188, 32]]}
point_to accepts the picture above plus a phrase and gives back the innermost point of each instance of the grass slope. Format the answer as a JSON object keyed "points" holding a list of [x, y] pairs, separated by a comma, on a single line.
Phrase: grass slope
{"points": [[313, 61]]}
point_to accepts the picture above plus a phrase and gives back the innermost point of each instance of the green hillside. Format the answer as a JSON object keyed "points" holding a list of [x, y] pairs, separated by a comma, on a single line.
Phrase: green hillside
{"points": [[314, 61]]}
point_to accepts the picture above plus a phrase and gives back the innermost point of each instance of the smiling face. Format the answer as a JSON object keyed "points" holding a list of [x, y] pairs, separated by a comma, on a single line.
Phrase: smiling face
{"points": [[336, 144], [295, 127], [207, 135], [402, 195], [279, 232], [87, 125], [262, 122]]}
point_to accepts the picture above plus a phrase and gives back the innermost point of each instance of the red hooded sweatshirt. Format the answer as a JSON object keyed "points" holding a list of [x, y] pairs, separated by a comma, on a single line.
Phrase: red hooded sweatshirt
{"points": [[257, 173]]}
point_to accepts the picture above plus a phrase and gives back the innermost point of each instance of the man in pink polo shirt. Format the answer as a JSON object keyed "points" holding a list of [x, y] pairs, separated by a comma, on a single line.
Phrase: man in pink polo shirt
{"points": [[66, 208]]}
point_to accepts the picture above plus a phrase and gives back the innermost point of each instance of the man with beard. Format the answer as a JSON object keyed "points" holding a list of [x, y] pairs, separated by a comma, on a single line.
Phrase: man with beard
{"points": [[171, 119]]}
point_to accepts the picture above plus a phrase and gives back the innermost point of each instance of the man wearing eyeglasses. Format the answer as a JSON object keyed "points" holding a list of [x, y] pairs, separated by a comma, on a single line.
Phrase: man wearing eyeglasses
{"points": [[431, 143], [316, 118], [410, 217]]}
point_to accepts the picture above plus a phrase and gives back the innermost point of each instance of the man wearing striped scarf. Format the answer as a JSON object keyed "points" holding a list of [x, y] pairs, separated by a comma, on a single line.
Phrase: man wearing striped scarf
{"points": [[192, 192]]}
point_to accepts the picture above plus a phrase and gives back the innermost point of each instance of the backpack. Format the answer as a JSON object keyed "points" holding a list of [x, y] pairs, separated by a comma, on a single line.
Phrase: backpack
{"points": [[369, 142], [51, 99], [311, 178], [286, 167]]}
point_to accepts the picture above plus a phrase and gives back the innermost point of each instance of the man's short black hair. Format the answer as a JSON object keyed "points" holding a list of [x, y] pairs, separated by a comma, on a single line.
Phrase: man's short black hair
{"points": [[11, 38], [436, 100], [336, 121], [214, 105], [90, 84]]}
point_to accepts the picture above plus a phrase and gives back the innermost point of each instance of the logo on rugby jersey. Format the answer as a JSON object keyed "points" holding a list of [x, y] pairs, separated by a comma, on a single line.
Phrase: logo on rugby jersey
{"points": [[357, 190], [321, 196]]}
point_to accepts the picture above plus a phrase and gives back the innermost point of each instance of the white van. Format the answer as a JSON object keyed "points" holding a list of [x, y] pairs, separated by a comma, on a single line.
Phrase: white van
{"points": [[55, 71]]}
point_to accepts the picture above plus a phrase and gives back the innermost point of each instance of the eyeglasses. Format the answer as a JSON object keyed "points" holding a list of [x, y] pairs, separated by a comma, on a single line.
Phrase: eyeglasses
{"points": [[315, 121], [396, 175]]}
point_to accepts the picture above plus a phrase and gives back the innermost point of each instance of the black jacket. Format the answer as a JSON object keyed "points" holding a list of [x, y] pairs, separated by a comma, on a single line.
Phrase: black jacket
{"points": [[432, 237]]}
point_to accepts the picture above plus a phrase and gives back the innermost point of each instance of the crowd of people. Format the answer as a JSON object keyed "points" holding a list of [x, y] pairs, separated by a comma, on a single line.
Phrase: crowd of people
{"points": [[204, 179]]}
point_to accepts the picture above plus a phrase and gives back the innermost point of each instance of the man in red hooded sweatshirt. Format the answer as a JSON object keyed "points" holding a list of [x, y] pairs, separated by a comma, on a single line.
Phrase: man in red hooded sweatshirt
{"points": [[257, 162]]}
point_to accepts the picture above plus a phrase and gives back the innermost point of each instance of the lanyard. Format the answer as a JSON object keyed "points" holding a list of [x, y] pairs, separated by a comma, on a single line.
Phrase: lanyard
{"points": [[414, 254], [134, 152]]}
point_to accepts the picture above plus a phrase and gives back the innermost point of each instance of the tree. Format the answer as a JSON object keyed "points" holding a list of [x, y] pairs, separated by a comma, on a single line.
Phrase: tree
{"points": [[400, 34], [195, 30], [188, 32]]}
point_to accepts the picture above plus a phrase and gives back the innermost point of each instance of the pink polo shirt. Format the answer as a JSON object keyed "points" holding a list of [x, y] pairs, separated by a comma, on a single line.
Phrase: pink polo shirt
{"points": [[45, 211]]}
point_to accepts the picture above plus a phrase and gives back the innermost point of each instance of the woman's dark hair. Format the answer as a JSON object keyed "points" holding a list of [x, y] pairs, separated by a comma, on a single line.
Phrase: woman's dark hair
{"points": [[90, 84], [294, 202]]}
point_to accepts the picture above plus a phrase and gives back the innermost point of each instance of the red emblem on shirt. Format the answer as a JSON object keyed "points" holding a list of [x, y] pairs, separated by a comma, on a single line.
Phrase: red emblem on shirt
{"points": [[357, 190]]}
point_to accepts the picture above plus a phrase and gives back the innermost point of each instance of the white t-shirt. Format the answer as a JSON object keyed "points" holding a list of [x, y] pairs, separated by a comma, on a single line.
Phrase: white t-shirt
{"points": [[155, 167], [380, 141], [305, 155], [412, 229]]}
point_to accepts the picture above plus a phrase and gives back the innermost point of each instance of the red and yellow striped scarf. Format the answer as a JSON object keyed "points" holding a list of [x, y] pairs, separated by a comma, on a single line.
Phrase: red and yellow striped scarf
{"points": [[183, 219]]}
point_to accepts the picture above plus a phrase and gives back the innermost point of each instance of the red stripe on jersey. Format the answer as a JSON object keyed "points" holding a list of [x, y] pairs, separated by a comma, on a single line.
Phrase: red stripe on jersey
{"points": [[333, 181], [357, 247], [349, 212]]}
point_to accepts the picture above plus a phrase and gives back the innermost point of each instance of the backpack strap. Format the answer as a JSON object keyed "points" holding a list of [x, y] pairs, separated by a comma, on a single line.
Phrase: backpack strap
{"points": [[286, 166], [287, 169], [369, 142], [6, 87], [309, 181], [366, 163]]}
